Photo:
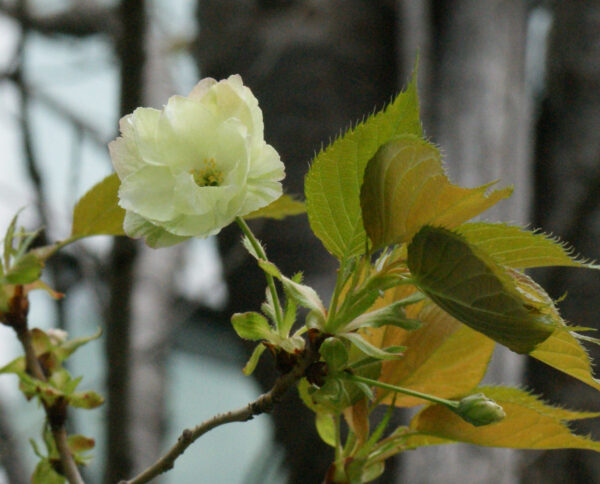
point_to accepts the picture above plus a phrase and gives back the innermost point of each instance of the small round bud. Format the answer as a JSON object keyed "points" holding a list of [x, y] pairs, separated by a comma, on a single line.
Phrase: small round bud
{"points": [[477, 409]]}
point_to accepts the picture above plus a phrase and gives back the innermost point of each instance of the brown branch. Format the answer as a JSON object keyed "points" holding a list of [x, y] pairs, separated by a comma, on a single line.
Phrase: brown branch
{"points": [[262, 404], [16, 318]]}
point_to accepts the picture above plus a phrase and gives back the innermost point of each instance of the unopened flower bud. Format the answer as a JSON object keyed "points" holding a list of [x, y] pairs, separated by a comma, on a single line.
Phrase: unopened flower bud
{"points": [[477, 409], [57, 336]]}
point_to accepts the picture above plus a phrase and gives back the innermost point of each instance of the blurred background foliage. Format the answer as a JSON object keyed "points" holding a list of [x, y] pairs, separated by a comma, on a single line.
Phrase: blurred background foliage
{"points": [[510, 90]]}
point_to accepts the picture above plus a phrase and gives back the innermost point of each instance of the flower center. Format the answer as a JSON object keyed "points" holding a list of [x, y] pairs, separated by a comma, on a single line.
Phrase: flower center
{"points": [[209, 176]]}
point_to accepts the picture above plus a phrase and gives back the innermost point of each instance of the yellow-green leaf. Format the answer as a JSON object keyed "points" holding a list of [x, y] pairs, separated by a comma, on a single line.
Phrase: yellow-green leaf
{"points": [[332, 185], [529, 424], [469, 285], [405, 187], [284, 206], [520, 248], [98, 211], [435, 360], [325, 424], [565, 353], [561, 350]]}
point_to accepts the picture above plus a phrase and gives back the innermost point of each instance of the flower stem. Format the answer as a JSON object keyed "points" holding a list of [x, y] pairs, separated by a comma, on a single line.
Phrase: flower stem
{"points": [[262, 255], [406, 391]]}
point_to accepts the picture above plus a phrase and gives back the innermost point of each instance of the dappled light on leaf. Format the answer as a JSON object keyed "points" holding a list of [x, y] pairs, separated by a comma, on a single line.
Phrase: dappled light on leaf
{"points": [[405, 187]]}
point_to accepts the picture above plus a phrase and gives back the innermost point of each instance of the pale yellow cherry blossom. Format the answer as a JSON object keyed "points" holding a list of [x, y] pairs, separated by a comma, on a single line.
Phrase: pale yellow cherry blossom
{"points": [[190, 169]]}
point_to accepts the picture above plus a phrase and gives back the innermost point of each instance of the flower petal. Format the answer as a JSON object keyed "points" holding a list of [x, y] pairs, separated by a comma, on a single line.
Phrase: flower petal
{"points": [[145, 123], [125, 156], [263, 180], [138, 227], [149, 192]]}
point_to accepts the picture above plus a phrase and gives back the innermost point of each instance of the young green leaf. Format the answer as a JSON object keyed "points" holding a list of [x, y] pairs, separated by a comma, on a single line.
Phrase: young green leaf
{"points": [[529, 424], [253, 360], [25, 270], [325, 424], [519, 248], [405, 187], [67, 348], [44, 473], [251, 325], [334, 353], [333, 182], [469, 285], [98, 211], [565, 353], [87, 399], [369, 349], [392, 315], [284, 206]]}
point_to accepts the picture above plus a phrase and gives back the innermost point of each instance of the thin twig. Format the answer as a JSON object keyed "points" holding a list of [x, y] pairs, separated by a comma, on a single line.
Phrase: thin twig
{"points": [[262, 404]]}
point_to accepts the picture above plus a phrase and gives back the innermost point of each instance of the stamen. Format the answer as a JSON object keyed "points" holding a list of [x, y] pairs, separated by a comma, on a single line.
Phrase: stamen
{"points": [[209, 176]]}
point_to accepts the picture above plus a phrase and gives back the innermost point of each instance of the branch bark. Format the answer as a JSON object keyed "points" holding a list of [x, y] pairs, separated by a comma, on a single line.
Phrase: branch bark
{"points": [[16, 318]]}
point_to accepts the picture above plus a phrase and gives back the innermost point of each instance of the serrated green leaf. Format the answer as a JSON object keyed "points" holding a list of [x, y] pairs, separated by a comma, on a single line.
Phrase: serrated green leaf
{"points": [[332, 185], [561, 350], [517, 247], [253, 360], [405, 187], [98, 211], [565, 353], [249, 247], [284, 206], [252, 326], [471, 287], [529, 424]]}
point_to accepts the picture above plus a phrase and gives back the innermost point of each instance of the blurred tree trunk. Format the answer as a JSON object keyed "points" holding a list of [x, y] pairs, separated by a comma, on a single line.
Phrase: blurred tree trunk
{"points": [[119, 451], [145, 330], [315, 66], [567, 204], [475, 106]]}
